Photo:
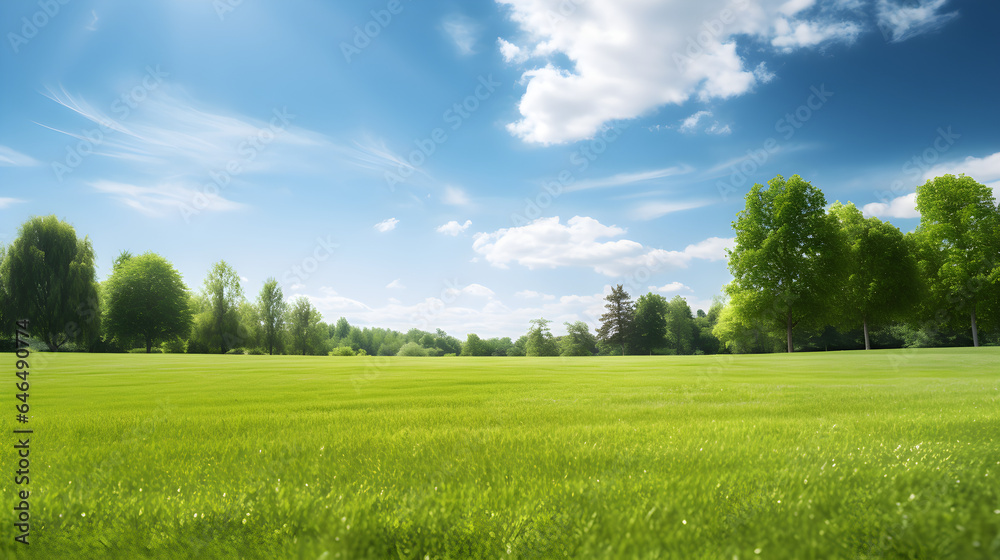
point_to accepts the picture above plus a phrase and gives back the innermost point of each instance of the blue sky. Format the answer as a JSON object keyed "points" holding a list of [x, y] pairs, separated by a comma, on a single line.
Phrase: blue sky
{"points": [[473, 166]]}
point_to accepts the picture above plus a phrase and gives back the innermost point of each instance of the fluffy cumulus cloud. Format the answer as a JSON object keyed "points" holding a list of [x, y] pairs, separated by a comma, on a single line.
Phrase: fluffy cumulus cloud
{"points": [[900, 207], [628, 57], [454, 228], [386, 225], [585, 242], [672, 287]]}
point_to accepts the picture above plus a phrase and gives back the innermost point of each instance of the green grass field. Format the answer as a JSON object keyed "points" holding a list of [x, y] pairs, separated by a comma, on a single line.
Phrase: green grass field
{"points": [[880, 454]]}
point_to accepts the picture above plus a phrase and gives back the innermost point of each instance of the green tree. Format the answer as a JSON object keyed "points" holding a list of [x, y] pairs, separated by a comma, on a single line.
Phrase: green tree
{"points": [[145, 298], [474, 346], [49, 278], [271, 312], [787, 260], [223, 296], [680, 325], [412, 349], [881, 283], [578, 340], [540, 341], [304, 326], [342, 330], [960, 233], [617, 324], [650, 323]]}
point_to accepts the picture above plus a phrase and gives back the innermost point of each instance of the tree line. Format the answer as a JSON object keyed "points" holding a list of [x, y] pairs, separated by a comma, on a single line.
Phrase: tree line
{"points": [[806, 276]]}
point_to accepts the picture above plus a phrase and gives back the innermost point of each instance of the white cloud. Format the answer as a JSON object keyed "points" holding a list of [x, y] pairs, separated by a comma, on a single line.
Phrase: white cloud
{"points": [[511, 52], [795, 35], [656, 209], [463, 32], [386, 225], [671, 288], [691, 123], [985, 170], [160, 199], [901, 21], [455, 196], [623, 179], [532, 294], [12, 158], [546, 243], [454, 228], [900, 207], [396, 284], [477, 290], [611, 61], [5, 202]]}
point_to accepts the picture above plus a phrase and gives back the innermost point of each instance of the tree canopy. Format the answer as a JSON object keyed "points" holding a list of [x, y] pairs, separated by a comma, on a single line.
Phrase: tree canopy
{"points": [[145, 297], [617, 323], [49, 278]]}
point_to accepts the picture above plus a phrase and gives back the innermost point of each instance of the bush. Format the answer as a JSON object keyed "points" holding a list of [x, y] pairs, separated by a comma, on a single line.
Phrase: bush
{"points": [[362, 352], [255, 352], [342, 351], [412, 349], [153, 350], [237, 350], [175, 346]]}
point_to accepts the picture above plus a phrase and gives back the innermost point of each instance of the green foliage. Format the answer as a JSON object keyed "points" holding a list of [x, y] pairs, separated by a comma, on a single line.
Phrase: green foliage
{"points": [[271, 314], [788, 258], [218, 323], [304, 327], [650, 323], [881, 281], [958, 239], [342, 351], [412, 349], [578, 340], [540, 341], [145, 300], [681, 330], [617, 324], [48, 277]]}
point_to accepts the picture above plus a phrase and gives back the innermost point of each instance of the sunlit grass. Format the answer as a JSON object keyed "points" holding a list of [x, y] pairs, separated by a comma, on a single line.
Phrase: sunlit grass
{"points": [[836, 455]]}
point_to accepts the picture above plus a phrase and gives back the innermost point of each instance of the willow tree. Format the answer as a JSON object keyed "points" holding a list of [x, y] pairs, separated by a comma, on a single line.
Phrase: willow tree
{"points": [[49, 278], [788, 257]]}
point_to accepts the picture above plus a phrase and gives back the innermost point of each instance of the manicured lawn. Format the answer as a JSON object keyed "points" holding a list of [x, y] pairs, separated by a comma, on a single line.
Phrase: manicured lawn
{"points": [[880, 454]]}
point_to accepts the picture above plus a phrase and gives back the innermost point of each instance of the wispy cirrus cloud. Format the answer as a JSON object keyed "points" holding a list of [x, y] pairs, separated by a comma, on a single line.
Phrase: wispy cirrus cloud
{"points": [[623, 179], [900, 21], [162, 199], [6, 202], [10, 157]]}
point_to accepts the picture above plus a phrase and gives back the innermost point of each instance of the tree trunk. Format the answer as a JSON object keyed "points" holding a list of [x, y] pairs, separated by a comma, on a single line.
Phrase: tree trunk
{"points": [[790, 348], [975, 331], [868, 345], [149, 345]]}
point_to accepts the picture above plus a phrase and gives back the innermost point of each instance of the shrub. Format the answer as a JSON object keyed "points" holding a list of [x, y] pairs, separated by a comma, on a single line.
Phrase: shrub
{"points": [[412, 349], [342, 351]]}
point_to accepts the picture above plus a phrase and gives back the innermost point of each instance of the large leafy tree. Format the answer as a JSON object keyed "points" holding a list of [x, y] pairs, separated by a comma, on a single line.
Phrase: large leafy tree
{"points": [[304, 326], [787, 261], [49, 278], [578, 340], [680, 327], [271, 312], [223, 295], [650, 323], [145, 298], [959, 234], [540, 341], [881, 283], [617, 324]]}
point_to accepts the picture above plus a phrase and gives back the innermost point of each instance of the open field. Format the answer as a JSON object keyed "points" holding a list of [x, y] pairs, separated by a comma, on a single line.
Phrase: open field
{"points": [[880, 454]]}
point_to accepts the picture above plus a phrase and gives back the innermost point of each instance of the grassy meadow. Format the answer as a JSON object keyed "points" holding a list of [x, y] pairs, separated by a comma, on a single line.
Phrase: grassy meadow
{"points": [[879, 454]]}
